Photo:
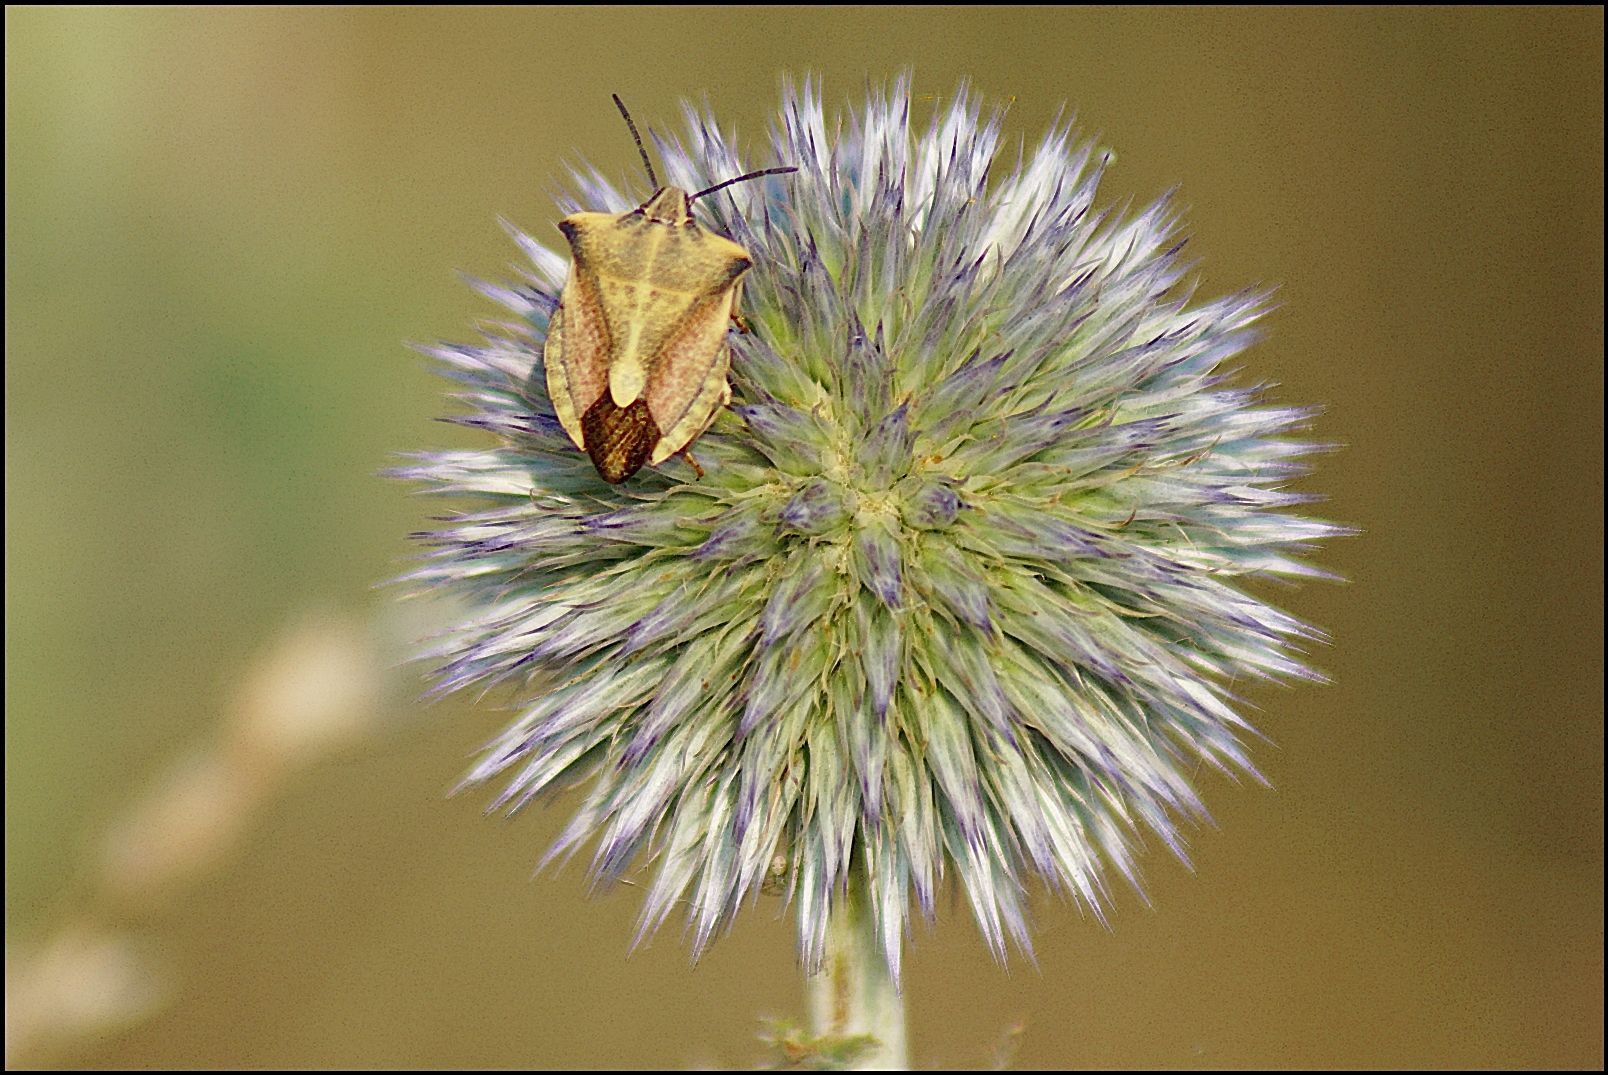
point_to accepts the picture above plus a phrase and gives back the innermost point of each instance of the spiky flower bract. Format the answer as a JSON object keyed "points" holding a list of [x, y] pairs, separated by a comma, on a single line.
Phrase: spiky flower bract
{"points": [[955, 591]]}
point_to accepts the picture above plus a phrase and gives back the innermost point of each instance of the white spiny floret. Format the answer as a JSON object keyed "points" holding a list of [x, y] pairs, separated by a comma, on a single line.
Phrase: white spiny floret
{"points": [[956, 589]]}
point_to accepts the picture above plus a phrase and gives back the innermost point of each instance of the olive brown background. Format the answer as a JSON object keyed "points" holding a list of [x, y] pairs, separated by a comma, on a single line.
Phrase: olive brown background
{"points": [[222, 225]]}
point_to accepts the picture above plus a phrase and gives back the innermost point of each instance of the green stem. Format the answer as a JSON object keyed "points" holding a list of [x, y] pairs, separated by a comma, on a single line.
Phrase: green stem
{"points": [[854, 994]]}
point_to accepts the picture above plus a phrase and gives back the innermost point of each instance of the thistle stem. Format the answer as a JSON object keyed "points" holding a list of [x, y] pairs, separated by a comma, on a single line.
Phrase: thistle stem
{"points": [[854, 993]]}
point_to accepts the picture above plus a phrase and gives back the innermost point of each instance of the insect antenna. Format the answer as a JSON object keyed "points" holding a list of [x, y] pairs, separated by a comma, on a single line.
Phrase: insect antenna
{"points": [[741, 179], [629, 122]]}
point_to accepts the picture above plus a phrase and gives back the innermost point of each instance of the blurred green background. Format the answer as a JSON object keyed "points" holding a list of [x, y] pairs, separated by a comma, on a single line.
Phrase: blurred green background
{"points": [[221, 225]]}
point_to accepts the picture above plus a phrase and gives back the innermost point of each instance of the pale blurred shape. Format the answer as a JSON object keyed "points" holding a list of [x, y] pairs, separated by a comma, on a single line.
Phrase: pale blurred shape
{"points": [[315, 691], [81, 981], [182, 827]]}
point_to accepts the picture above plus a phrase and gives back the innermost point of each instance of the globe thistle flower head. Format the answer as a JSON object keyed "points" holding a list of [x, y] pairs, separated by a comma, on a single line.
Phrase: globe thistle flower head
{"points": [[955, 593]]}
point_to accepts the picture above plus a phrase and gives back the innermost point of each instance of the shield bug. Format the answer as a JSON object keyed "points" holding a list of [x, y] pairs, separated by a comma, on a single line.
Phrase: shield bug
{"points": [[636, 353]]}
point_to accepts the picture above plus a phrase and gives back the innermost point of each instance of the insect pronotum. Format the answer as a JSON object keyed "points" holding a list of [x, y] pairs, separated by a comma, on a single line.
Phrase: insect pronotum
{"points": [[636, 353]]}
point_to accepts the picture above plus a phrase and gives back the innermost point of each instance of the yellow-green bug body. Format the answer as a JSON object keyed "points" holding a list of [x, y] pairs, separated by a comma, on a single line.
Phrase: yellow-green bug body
{"points": [[636, 353]]}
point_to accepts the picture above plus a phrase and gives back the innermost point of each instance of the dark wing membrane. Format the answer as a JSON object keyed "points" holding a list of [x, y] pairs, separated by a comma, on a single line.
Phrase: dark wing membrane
{"points": [[619, 440]]}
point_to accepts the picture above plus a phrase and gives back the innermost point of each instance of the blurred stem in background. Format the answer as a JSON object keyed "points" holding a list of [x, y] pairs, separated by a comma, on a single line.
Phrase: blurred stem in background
{"points": [[323, 686], [320, 688]]}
